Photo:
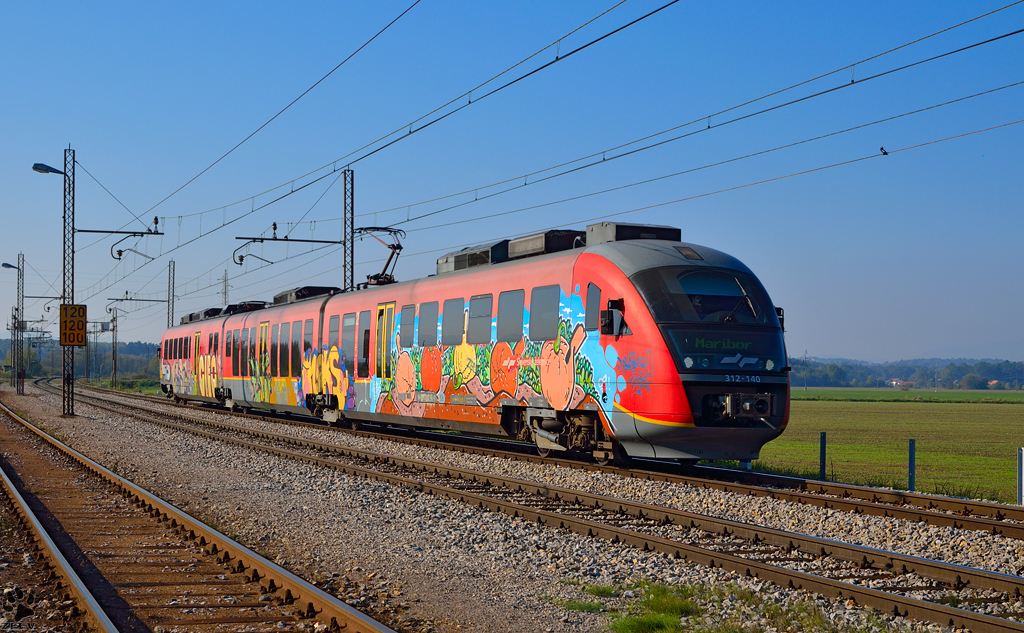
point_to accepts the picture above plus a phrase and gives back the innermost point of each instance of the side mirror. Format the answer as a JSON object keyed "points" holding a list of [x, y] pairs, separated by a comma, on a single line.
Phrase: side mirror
{"points": [[782, 317], [611, 319]]}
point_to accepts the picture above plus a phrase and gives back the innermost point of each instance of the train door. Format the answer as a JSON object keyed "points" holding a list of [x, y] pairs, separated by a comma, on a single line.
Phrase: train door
{"points": [[385, 334], [261, 365]]}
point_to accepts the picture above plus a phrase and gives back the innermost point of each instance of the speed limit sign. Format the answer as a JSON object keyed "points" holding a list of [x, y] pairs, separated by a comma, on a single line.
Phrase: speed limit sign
{"points": [[72, 325]]}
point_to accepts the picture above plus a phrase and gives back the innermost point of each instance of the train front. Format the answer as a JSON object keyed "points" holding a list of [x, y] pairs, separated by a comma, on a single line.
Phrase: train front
{"points": [[715, 382]]}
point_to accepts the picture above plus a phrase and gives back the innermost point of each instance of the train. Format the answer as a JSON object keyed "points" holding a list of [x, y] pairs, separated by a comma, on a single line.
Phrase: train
{"points": [[615, 342]]}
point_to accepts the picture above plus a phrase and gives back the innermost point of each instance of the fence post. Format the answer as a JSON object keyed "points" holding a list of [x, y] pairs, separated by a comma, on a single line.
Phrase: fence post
{"points": [[821, 458], [1020, 476], [913, 466]]}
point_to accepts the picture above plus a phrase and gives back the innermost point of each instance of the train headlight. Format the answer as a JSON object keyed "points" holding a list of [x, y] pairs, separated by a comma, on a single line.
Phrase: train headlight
{"points": [[704, 362], [688, 362], [769, 365]]}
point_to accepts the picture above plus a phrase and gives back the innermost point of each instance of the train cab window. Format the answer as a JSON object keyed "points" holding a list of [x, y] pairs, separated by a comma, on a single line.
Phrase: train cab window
{"points": [[273, 350], [332, 332], [479, 330], [407, 329], [453, 321], [364, 344], [296, 349], [427, 331], [510, 315], [348, 342], [243, 356], [282, 360], [544, 313], [593, 319]]}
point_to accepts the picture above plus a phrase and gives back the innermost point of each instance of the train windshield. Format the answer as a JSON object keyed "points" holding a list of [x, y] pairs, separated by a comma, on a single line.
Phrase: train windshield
{"points": [[688, 294]]}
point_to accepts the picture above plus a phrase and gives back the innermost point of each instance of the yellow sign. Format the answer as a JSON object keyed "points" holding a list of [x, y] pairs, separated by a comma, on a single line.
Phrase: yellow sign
{"points": [[72, 325]]}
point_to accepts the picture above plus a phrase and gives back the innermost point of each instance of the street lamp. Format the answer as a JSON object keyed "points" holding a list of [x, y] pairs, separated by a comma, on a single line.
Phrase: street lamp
{"points": [[18, 338], [68, 296]]}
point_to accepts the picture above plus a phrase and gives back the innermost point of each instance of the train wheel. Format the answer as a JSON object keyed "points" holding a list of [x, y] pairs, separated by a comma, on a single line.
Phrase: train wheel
{"points": [[355, 425], [544, 452]]}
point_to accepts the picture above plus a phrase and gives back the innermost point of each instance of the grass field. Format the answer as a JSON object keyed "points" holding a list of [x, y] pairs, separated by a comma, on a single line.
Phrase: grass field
{"points": [[963, 448]]}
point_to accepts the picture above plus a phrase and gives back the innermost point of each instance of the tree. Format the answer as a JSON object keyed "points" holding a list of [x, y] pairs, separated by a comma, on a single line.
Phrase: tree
{"points": [[973, 381]]}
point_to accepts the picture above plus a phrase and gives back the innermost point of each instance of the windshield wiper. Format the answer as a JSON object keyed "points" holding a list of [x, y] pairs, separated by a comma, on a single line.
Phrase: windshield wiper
{"points": [[746, 299]]}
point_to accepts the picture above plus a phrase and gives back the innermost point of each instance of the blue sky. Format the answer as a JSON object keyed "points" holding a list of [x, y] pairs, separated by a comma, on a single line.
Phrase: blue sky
{"points": [[914, 254]]}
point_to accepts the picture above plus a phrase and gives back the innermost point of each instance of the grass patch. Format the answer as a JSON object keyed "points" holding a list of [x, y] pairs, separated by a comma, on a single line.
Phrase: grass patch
{"points": [[601, 591], [646, 623], [963, 396], [963, 449], [584, 606]]}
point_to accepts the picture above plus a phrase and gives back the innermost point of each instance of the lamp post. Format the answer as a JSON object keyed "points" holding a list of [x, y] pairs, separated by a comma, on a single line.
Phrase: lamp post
{"points": [[18, 342], [68, 383]]}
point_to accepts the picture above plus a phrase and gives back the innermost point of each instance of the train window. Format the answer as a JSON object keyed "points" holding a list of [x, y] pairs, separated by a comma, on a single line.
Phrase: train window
{"points": [[243, 356], [296, 349], [479, 330], [407, 328], [216, 343], [544, 313], [510, 315], [593, 318], [234, 355], [428, 324], [364, 344], [254, 358], [332, 335], [177, 349], [170, 350], [227, 344], [683, 293], [188, 348], [307, 341], [385, 333], [209, 347], [282, 359], [348, 342], [453, 321], [273, 350]]}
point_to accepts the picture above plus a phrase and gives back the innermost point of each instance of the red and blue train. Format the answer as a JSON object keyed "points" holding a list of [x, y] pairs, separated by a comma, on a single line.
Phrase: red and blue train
{"points": [[617, 341]]}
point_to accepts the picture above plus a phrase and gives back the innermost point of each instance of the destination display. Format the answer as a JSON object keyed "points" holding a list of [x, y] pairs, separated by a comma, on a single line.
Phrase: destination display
{"points": [[734, 350]]}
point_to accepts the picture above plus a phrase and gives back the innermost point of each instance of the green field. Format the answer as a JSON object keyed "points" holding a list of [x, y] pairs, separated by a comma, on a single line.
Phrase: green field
{"points": [[963, 448]]}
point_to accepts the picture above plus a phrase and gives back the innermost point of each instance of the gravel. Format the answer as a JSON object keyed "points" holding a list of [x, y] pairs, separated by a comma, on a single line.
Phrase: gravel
{"points": [[423, 563]]}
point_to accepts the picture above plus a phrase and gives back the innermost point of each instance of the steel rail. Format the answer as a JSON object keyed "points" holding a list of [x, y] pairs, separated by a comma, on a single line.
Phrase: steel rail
{"points": [[955, 576], [956, 513], [91, 610], [336, 615]]}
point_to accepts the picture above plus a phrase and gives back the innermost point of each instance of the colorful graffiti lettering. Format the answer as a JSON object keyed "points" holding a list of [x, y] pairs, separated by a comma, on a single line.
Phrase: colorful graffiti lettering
{"points": [[325, 373], [208, 375]]}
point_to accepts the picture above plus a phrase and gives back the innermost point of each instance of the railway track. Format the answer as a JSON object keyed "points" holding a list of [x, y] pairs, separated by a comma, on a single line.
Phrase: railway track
{"points": [[894, 583], [993, 518], [133, 562]]}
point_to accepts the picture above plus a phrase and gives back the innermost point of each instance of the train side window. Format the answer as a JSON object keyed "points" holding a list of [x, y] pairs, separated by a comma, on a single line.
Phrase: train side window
{"points": [[307, 341], [254, 351], [234, 355], [296, 349], [273, 350], [593, 318], [332, 333], [453, 321], [282, 357], [510, 315], [407, 333], [209, 347], [427, 331], [479, 330], [227, 344], [170, 350], [364, 344], [243, 356], [544, 313], [348, 342], [216, 343], [177, 348]]}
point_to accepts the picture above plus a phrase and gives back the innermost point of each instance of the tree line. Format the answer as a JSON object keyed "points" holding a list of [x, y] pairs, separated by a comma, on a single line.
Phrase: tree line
{"points": [[923, 374], [135, 359]]}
